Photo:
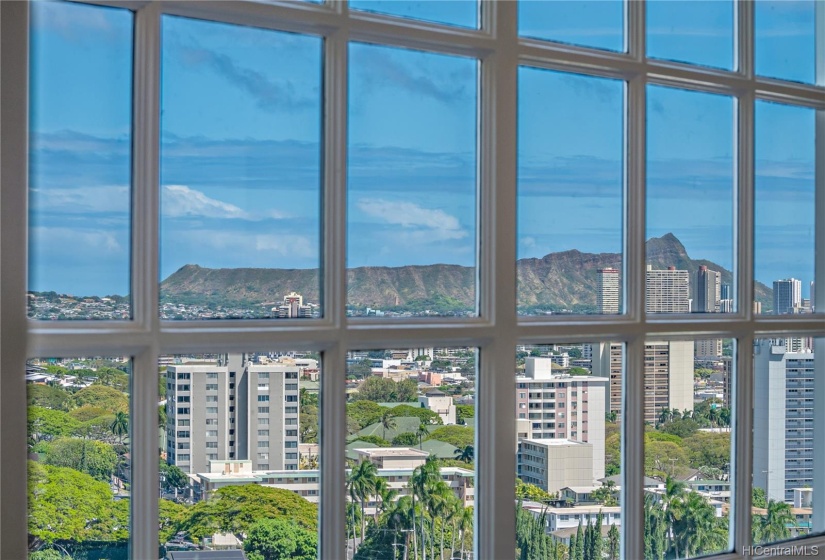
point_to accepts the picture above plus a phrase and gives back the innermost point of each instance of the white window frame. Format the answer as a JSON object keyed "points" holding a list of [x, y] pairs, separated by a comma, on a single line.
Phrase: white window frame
{"points": [[497, 330]]}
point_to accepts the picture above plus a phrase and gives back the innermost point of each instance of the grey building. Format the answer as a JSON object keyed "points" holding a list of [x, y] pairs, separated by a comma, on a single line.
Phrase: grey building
{"points": [[782, 420], [233, 408], [787, 296]]}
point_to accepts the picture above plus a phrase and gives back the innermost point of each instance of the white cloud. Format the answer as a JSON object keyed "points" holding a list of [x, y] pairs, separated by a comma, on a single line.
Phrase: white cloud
{"points": [[427, 224], [180, 201], [70, 240], [82, 199]]}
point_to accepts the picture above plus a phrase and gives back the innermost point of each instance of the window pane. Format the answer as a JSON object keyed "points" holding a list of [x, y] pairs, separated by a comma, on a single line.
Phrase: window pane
{"points": [[412, 183], [568, 410], [410, 452], [570, 167], [688, 447], [689, 202], [594, 23], [693, 31], [248, 462], [785, 39], [79, 162], [79, 469], [240, 171], [784, 199], [462, 13], [783, 435]]}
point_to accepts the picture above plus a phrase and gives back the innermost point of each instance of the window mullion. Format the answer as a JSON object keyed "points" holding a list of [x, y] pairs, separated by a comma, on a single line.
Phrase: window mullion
{"points": [[144, 276], [332, 512], [494, 532]]}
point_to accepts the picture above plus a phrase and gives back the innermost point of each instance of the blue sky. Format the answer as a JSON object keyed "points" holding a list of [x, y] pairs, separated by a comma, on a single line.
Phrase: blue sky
{"points": [[241, 133]]}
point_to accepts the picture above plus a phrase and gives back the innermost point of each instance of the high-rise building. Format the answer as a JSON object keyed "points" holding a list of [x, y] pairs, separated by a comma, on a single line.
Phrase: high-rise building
{"points": [[783, 387], [292, 307], [607, 295], [787, 295], [708, 290], [726, 292], [668, 375], [707, 348], [233, 408], [667, 291], [551, 406]]}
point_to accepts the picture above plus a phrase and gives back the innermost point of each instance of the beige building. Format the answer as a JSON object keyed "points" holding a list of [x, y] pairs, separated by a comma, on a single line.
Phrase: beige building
{"points": [[439, 403], [667, 291], [553, 464]]}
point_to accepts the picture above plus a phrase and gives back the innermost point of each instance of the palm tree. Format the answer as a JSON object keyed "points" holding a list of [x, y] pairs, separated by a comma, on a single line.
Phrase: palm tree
{"points": [[465, 522], [422, 433], [665, 415], [361, 486], [695, 530], [467, 454], [421, 482], [671, 505], [121, 425], [388, 422], [774, 525]]}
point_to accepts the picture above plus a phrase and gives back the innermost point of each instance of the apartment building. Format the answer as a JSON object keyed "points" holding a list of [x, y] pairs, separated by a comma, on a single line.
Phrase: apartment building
{"points": [[708, 290], [607, 291], [668, 375], [787, 296], [553, 464], [667, 291], [782, 420], [554, 406], [234, 408]]}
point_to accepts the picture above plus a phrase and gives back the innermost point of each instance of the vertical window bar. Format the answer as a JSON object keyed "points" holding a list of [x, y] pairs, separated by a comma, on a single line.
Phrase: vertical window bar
{"points": [[632, 447], [145, 263], [332, 430], [495, 439], [14, 92], [742, 444], [819, 279]]}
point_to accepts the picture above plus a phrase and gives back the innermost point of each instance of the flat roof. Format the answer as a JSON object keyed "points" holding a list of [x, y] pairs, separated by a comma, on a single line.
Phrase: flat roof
{"points": [[392, 452]]}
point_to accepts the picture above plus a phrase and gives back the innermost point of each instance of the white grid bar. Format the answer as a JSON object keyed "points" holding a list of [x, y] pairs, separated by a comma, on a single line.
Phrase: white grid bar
{"points": [[14, 103], [498, 328]]}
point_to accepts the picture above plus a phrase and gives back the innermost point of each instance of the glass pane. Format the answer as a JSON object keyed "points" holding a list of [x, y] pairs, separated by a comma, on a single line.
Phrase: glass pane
{"points": [[240, 171], [689, 202], [593, 23], [570, 146], [80, 162], [693, 31], [568, 427], [412, 183], [783, 436], [784, 217], [410, 453], [240, 468], [687, 447], [785, 39], [79, 471], [462, 13]]}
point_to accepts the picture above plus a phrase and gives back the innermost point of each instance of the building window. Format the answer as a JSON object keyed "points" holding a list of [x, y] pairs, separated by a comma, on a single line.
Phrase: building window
{"points": [[211, 386], [263, 398], [745, 82]]}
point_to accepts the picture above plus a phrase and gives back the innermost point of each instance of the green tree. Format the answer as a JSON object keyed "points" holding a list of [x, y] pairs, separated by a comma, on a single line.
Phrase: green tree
{"points": [[577, 371], [613, 540], [758, 498], [101, 396], [364, 412], [775, 524], [458, 436], [234, 509], [95, 458], [422, 433], [382, 389], [405, 439], [275, 539], [387, 422], [466, 454], [46, 424], [120, 425], [708, 449], [361, 485], [173, 475], [463, 412], [47, 554], [46, 396], [426, 415], [526, 491]]}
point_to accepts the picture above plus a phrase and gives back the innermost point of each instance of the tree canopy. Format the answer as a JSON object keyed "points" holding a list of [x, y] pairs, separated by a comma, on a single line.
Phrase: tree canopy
{"points": [[103, 397], [95, 458], [274, 539], [382, 389], [458, 436]]}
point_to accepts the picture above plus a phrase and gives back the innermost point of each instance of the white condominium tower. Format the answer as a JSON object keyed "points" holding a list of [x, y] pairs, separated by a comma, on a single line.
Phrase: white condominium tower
{"points": [[607, 294], [233, 408], [667, 291], [787, 295], [783, 390]]}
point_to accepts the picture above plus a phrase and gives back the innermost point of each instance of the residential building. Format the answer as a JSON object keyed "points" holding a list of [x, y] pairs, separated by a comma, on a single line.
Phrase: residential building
{"points": [[293, 307], [557, 406], [787, 296], [668, 375], [607, 291], [782, 420], [667, 291], [708, 290], [707, 348], [439, 403], [552, 464], [233, 408]]}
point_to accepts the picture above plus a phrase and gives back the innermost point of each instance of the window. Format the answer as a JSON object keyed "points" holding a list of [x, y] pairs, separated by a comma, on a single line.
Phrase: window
{"points": [[211, 398], [263, 386], [211, 386], [263, 433], [263, 421], [263, 443], [290, 444], [211, 444], [291, 387], [289, 375], [211, 409], [183, 433], [211, 422], [263, 398], [211, 433], [747, 189], [183, 423]]}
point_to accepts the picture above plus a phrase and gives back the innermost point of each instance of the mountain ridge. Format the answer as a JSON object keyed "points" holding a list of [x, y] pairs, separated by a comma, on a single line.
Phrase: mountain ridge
{"points": [[560, 281]]}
